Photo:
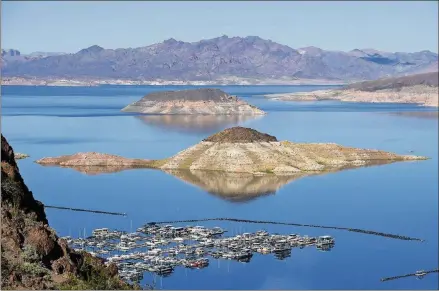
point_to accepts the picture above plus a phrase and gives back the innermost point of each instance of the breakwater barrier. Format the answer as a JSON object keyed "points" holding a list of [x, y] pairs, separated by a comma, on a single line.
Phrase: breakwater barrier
{"points": [[419, 274], [85, 210], [371, 232]]}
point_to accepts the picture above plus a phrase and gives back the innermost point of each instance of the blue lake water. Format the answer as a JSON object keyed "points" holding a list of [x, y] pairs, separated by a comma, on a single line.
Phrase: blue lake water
{"points": [[400, 198]]}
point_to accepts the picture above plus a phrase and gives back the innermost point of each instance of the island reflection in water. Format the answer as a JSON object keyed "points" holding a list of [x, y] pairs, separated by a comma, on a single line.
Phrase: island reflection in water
{"points": [[234, 187], [198, 124], [230, 186], [418, 114]]}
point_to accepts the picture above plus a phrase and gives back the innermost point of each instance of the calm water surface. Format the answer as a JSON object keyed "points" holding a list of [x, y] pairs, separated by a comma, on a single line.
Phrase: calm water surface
{"points": [[399, 198]]}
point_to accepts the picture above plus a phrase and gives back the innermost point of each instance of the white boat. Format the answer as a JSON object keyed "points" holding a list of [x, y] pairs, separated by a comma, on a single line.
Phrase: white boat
{"points": [[124, 248], [154, 251], [325, 239]]}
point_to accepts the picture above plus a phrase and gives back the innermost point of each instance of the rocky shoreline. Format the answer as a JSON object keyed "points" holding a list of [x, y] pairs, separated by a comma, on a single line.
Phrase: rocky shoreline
{"points": [[20, 81], [422, 95]]}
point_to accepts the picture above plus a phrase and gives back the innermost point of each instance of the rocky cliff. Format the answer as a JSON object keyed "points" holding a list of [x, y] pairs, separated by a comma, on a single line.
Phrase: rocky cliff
{"points": [[196, 101], [32, 255]]}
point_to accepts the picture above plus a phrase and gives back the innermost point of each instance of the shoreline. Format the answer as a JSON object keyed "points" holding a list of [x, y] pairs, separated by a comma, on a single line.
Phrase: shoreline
{"points": [[17, 81], [421, 95]]}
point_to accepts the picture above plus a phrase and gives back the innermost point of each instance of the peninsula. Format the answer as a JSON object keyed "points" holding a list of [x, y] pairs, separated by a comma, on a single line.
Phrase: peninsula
{"points": [[421, 89], [195, 101], [245, 150]]}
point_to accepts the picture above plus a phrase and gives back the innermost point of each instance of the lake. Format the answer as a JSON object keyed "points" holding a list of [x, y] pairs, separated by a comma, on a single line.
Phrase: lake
{"points": [[399, 198]]}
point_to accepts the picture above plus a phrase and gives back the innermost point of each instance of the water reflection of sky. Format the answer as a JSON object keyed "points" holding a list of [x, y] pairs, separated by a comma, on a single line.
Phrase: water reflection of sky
{"points": [[194, 124]]}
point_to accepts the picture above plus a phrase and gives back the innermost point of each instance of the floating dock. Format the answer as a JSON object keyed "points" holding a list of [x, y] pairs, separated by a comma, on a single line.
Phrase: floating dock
{"points": [[161, 248]]}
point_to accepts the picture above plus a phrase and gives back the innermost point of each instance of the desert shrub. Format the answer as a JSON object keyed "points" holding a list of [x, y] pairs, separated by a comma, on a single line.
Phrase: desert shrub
{"points": [[94, 276], [30, 254], [95, 283], [34, 269]]}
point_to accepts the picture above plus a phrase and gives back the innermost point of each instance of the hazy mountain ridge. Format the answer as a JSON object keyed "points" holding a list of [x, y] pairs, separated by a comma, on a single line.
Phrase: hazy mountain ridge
{"points": [[11, 57], [222, 57]]}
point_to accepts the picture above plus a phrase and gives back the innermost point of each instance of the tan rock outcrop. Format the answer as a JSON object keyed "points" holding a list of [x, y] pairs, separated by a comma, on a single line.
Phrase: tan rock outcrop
{"points": [[92, 159], [280, 158]]}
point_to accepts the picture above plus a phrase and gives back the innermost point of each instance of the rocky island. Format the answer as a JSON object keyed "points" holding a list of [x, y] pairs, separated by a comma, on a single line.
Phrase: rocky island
{"points": [[20, 156], [195, 101], [32, 255], [245, 150], [421, 89], [94, 159]]}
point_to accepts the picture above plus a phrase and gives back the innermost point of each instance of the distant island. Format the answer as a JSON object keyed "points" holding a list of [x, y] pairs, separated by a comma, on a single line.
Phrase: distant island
{"points": [[195, 101], [421, 89], [245, 150]]}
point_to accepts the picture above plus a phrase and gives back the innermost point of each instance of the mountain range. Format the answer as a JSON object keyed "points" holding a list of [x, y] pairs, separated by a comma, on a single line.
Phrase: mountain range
{"points": [[218, 58], [11, 55]]}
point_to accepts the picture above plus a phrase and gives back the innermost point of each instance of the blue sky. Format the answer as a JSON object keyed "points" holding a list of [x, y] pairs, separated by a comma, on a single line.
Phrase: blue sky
{"points": [[59, 26]]}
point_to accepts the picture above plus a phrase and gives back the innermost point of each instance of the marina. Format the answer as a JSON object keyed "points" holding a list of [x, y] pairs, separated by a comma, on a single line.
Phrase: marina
{"points": [[160, 249]]}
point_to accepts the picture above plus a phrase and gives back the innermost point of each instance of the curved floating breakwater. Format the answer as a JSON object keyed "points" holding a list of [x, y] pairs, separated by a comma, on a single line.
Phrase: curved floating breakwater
{"points": [[85, 210], [417, 274], [371, 232]]}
